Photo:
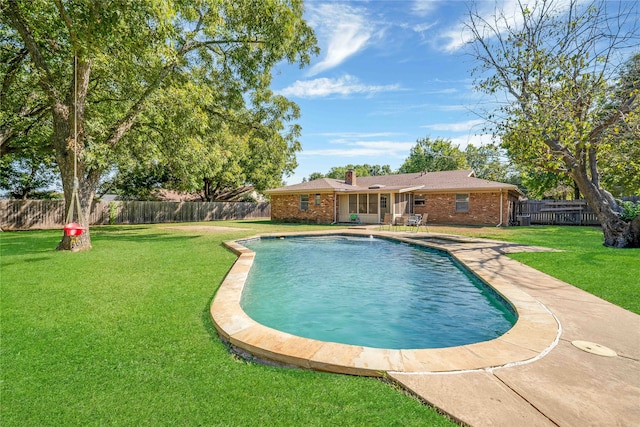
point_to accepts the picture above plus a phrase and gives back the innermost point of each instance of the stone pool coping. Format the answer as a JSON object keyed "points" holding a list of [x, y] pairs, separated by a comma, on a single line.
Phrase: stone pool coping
{"points": [[535, 333]]}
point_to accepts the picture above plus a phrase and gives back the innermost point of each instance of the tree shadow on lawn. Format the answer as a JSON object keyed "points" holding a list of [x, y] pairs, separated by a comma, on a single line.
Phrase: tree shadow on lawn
{"points": [[136, 234], [41, 242], [29, 242]]}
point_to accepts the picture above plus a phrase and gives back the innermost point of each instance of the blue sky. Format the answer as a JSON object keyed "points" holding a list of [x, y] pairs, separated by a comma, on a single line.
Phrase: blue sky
{"points": [[389, 73]]}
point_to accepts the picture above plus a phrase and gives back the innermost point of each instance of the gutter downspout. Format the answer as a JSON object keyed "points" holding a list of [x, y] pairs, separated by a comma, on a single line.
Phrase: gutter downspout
{"points": [[335, 207], [500, 224]]}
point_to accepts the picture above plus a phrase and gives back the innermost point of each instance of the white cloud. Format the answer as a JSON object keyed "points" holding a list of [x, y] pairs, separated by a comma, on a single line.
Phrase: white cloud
{"points": [[448, 91], [457, 127], [424, 7], [451, 108], [500, 15], [421, 28], [322, 87], [357, 147], [459, 35], [385, 146], [345, 29], [344, 136], [477, 140]]}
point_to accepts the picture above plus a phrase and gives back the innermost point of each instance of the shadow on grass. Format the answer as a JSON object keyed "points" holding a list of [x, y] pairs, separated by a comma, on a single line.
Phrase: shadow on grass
{"points": [[136, 233], [39, 242], [138, 237], [29, 242]]}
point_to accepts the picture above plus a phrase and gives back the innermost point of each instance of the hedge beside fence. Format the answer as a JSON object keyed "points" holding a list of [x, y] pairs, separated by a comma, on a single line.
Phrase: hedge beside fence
{"points": [[47, 214]]}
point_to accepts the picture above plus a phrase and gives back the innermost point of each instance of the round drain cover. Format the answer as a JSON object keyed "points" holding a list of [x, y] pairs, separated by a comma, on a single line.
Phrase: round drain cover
{"points": [[591, 347]]}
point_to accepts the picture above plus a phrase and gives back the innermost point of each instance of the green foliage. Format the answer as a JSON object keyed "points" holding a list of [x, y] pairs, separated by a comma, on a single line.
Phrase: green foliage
{"points": [[486, 161], [27, 177], [434, 155], [555, 71], [542, 184], [313, 176], [25, 117], [138, 182], [198, 141], [339, 172], [630, 210], [113, 213], [184, 84], [620, 166], [557, 118]]}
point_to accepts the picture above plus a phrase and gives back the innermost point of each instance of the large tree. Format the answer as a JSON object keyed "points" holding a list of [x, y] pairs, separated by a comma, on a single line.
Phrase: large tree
{"points": [[434, 155], [487, 162], [97, 67], [210, 146], [620, 167], [553, 61], [339, 172]]}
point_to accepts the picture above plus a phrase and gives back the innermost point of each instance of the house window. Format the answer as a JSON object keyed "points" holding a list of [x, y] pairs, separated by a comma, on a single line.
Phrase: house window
{"points": [[353, 203], [373, 203], [462, 202], [383, 202], [419, 200], [304, 202], [317, 200], [362, 203]]}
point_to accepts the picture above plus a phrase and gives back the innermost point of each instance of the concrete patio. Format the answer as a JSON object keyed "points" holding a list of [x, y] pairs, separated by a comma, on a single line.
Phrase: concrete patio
{"points": [[566, 387]]}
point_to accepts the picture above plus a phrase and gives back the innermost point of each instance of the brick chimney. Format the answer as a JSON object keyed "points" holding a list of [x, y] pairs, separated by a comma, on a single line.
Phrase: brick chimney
{"points": [[350, 177]]}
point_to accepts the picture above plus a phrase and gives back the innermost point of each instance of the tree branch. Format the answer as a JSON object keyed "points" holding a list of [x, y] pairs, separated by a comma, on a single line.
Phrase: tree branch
{"points": [[15, 17], [9, 77], [618, 113], [121, 127], [68, 24]]}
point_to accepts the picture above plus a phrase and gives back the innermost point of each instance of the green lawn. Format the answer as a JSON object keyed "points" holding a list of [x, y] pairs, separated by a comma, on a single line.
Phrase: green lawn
{"points": [[121, 334]]}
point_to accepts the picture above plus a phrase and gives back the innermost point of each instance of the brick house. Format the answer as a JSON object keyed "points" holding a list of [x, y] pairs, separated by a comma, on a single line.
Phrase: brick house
{"points": [[455, 197]]}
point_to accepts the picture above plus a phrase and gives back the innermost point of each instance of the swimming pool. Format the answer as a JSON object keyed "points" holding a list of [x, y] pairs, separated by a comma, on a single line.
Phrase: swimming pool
{"points": [[370, 292]]}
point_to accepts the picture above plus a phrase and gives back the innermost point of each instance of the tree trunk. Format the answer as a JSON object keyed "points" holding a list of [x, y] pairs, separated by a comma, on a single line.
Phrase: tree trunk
{"points": [[618, 233], [206, 191], [86, 192], [626, 236], [68, 141]]}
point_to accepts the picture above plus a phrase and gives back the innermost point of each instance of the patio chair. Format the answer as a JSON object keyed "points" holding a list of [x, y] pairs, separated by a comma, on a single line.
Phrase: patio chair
{"points": [[387, 221], [417, 221], [402, 221], [423, 223]]}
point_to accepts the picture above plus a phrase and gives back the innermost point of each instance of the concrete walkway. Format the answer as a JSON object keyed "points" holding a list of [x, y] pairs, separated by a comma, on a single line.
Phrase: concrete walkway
{"points": [[565, 387]]}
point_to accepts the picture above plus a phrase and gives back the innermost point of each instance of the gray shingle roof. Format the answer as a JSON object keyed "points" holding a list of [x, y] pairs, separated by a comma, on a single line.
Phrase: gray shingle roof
{"points": [[458, 180]]}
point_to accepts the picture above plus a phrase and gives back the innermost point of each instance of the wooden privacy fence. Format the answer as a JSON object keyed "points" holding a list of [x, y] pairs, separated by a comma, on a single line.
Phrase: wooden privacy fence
{"points": [[45, 214], [556, 212]]}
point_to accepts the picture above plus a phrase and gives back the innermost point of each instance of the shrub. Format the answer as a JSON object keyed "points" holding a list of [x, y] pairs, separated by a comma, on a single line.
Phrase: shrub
{"points": [[113, 212], [630, 210]]}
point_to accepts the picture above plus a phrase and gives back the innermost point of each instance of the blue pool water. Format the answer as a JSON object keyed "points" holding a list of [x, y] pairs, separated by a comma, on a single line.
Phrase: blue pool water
{"points": [[370, 292]]}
